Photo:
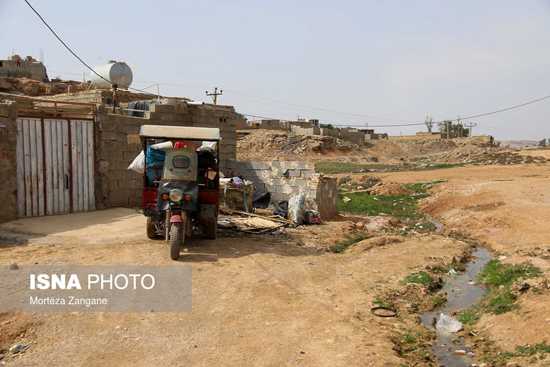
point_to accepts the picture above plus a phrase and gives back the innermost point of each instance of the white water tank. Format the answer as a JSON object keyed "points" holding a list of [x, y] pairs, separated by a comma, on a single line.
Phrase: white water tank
{"points": [[115, 72]]}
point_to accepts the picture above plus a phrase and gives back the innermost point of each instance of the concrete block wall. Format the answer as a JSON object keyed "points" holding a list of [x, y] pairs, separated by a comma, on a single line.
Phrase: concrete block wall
{"points": [[306, 131], [118, 143], [29, 69], [353, 135], [8, 163], [285, 178], [330, 132]]}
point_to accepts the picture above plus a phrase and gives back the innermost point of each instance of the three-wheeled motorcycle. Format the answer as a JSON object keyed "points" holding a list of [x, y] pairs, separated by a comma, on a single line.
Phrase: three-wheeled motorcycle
{"points": [[180, 182]]}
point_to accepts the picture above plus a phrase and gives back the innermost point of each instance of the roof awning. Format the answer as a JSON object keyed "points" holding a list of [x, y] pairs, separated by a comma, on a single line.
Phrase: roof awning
{"points": [[179, 132]]}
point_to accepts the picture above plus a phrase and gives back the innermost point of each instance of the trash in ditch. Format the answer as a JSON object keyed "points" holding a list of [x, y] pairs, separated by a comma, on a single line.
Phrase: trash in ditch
{"points": [[383, 312], [448, 323], [453, 272], [17, 348], [460, 351]]}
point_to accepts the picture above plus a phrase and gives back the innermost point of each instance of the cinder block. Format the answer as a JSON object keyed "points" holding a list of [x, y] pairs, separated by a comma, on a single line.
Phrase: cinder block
{"points": [[108, 136], [106, 127], [260, 165], [308, 173], [260, 187], [301, 165], [313, 194], [292, 173], [300, 182], [121, 137], [109, 146]]}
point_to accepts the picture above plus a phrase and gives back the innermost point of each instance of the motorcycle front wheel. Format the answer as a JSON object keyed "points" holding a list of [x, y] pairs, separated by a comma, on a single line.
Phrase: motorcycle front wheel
{"points": [[177, 237]]}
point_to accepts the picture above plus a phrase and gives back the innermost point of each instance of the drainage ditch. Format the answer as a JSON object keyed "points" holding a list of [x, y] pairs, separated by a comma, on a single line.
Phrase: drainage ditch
{"points": [[462, 292]]}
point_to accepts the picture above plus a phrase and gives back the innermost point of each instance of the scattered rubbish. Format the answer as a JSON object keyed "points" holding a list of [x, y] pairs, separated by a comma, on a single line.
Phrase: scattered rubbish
{"points": [[312, 217], [224, 223], [448, 323], [282, 209], [17, 348], [14, 266], [235, 196], [261, 199], [502, 258], [346, 199], [254, 224], [383, 311], [460, 351], [453, 272], [297, 208]]}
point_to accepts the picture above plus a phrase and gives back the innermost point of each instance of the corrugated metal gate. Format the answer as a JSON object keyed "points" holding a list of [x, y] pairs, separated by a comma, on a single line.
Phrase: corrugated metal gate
{"points": [[55, 166]]}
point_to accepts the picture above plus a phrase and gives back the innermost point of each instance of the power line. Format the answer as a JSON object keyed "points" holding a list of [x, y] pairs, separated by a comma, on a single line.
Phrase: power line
{"points": [[293, 104], [498, 111], [64, 44], [318, 109], [71, 51]]}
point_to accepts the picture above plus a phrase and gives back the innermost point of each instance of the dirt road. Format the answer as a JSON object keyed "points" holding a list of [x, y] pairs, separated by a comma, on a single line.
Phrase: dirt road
{"points": [[275, 300]]}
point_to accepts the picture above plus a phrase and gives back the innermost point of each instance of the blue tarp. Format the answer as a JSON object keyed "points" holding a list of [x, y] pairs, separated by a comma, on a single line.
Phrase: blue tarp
{"points": [[154, 158]]}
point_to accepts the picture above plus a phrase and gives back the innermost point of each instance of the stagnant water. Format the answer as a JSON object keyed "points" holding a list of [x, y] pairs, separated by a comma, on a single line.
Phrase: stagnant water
{"points": [[460, 295]]}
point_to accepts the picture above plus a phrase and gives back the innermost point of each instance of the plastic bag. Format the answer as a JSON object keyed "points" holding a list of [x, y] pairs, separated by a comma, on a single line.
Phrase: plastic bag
{"points": [[261, 199], [447, 323], [297, 208], [282, 209], [138, 164]]}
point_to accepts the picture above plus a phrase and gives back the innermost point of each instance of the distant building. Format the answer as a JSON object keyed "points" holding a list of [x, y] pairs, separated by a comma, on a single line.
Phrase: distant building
{"points": [[28, 68]]}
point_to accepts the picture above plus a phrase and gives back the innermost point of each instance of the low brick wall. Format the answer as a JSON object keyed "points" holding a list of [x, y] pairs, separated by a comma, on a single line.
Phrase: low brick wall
{"points": [[284, 179], [118, 143]]}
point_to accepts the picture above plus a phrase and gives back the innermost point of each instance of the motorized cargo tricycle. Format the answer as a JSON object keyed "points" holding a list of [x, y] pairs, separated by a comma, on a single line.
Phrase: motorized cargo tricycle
{"points": [[180, 182]]}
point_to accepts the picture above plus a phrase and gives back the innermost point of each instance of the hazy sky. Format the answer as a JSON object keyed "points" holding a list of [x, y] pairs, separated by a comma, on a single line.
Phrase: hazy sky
{"points": [[390, 60]]}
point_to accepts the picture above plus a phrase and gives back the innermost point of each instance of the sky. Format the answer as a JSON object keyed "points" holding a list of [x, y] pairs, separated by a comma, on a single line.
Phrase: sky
{"points": [[350, 63]]}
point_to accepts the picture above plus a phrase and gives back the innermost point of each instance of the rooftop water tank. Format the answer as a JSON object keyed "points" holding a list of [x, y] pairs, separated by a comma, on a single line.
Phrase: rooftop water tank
{"points": [[116, 72]]}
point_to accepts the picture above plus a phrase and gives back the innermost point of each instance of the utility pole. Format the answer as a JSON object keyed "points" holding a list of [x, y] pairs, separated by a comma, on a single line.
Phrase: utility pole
{"points": [[470, 128], [448, 129], [215, 95], [459, 127]]}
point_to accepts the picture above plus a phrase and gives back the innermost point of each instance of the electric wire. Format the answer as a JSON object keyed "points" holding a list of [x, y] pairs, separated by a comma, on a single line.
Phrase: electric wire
{"points": [[293, 104], [71, 51]]}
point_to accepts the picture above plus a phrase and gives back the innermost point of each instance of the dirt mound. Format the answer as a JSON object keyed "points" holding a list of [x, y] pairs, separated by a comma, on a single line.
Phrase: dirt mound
{"points": [[389, 189], [35, 88], [386, 148], [367, 244], [287, 142]]}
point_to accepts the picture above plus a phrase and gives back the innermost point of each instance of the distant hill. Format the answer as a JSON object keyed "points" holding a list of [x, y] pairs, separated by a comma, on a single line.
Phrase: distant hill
{"points": [[517, 144]]}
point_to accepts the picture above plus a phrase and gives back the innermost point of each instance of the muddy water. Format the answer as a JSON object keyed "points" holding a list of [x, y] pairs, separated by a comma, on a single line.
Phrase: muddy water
{"points": [[460, 295]]}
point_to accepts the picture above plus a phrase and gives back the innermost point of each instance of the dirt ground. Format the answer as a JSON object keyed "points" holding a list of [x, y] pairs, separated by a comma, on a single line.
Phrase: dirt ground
{"points": [[256, 300], [272, 300]]}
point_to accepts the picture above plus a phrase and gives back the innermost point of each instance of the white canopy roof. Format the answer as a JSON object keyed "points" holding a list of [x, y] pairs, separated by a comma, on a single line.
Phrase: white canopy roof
{"points": [[180, 132]]}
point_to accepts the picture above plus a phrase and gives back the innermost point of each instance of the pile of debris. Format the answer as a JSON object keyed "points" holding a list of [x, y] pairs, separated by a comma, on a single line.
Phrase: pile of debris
{"points": [[290, 143], [255, 212], [34, 88]]}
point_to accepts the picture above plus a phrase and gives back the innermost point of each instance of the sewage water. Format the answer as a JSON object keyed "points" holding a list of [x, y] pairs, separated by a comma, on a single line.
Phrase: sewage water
{"points": [[460, 295]]}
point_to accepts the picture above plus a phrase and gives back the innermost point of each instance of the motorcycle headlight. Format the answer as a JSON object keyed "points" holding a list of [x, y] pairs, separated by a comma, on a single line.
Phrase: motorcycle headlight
{"points": [[176, 195]]}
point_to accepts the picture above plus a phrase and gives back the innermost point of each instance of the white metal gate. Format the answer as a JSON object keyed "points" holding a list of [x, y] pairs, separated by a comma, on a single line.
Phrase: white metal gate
{"points": [[55, 166]]}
